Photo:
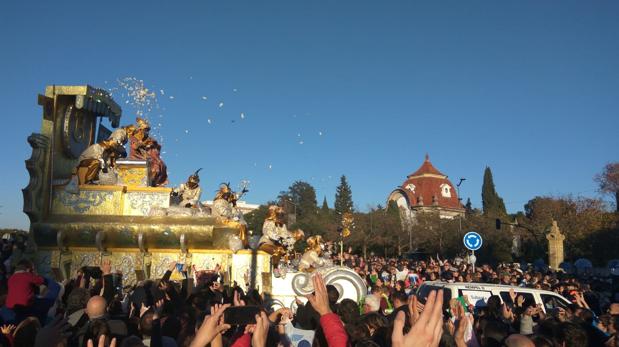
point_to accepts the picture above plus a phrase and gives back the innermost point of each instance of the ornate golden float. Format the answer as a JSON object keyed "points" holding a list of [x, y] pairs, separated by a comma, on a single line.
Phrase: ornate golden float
{"points": [[114, 222]]}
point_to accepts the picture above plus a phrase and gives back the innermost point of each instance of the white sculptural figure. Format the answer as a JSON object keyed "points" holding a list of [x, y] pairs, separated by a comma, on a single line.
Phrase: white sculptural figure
{"points": [[189, 192], [311, 259]]}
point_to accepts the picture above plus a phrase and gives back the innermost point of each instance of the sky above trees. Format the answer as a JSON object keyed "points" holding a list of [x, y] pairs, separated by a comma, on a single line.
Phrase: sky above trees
{"points": [[280, 91]]}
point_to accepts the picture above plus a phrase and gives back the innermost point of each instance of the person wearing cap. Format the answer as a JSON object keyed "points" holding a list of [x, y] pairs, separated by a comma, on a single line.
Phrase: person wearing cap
{"points": [[96, 158], [224, 209], [189, 192]]}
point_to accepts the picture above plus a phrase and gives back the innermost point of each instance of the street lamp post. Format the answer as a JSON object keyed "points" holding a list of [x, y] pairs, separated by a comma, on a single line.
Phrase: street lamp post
{"points": [[294, 210], [462, 179]]}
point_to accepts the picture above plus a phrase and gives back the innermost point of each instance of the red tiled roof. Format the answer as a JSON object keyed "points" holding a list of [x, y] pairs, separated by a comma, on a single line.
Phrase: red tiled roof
{"points": [[429, 187], [426, 168]]}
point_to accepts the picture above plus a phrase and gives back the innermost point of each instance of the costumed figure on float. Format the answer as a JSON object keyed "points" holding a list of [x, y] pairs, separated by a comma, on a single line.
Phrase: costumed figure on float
{"points": [[276, 239], [96, 163], [144, 147], [224, 209], [188, 193]]}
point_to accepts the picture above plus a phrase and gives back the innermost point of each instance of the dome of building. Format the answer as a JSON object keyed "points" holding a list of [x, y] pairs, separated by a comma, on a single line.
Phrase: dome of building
{"points": [[426, 190]]}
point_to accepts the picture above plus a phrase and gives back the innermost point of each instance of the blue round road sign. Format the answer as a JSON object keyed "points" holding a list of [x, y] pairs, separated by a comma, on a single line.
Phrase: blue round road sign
{"points": [[473, 241]]}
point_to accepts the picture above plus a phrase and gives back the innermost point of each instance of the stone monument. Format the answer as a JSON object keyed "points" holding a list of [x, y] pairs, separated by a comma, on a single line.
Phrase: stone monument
{"points": [[555, 246]]}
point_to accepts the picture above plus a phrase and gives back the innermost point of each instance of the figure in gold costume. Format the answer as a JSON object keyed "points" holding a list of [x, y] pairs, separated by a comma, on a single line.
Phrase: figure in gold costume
{"points": [[96, 158], [189, 192], [144, 147], [122, 134], [224, 209], [276, 239], [311, 259]]}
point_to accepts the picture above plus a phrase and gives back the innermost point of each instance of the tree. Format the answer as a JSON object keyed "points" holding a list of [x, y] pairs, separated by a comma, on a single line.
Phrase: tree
{"points": [[301, 198], [325, 207], [578, 218], [393, 224], [608, 180], [492, 203], [343, 197], [468, 207]]}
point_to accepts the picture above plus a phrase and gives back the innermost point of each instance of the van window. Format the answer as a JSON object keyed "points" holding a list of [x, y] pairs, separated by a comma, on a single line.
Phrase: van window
{"points": [[552, 301], [478, 298], [528, 298], [424, 290]]}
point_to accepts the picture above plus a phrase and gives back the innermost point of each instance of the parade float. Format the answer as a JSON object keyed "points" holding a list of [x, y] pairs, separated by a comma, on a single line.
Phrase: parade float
{"points": [[100, 194]]}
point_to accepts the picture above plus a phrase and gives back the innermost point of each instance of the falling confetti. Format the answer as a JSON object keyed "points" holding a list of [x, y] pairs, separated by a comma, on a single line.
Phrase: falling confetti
{"points": [[204, 98], [301, 142], [221, 104], [270, 166], [320, 133], [186, 131], [242, 115], [171, 97], [299, 135], [190, 77], [209, 121], [142, 100]]}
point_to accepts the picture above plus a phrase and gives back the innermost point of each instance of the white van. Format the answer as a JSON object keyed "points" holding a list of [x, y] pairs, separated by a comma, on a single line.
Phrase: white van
{"points": [[478, 293]]}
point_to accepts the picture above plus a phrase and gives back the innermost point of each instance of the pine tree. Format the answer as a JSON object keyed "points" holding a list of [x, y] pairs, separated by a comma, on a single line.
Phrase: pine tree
{"points": [[325, 207], [468, 206], [343, 197], [492, 203]]}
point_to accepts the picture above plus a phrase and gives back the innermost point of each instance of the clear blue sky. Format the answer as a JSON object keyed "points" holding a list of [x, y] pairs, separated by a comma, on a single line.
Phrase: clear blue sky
{"points": [[530, 88]]}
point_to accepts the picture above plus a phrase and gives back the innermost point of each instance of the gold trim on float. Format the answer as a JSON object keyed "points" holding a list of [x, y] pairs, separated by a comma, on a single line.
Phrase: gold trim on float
{"points": [[52, 91], [148, 189]]}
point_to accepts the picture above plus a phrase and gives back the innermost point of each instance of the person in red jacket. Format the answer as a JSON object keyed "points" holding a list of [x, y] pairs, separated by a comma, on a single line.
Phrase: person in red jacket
{"points": [[22, 285], [329, 322]]}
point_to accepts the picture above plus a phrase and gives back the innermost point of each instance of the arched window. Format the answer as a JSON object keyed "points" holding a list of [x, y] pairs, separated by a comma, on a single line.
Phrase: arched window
{"points": [[446, 190]]}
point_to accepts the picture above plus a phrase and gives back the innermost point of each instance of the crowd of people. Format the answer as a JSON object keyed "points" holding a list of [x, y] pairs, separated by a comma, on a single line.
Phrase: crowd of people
{"points": [[93, 308]]}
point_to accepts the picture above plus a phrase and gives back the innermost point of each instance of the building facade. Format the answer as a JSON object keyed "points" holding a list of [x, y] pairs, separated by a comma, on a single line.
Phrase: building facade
{"points": [[427, 190]]}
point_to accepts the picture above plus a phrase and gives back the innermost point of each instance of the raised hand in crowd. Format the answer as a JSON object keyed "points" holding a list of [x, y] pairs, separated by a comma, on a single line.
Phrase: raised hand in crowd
{"points": [[414, 309], [158, 308], [463, 323], [261, 331], [277, 315], [508, 314], [101, 342], [319, 299], [143, 309], [427, 331], [236, 299], [7, 329], [212, 327], [172, 266]]}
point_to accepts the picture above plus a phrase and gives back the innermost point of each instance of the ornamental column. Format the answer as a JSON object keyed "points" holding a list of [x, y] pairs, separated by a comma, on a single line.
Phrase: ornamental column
{"points": [[555, 246]]}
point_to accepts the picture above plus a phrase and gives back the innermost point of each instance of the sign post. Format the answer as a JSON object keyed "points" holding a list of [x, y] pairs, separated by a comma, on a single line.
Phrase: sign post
{"points": [[472, 241]]}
